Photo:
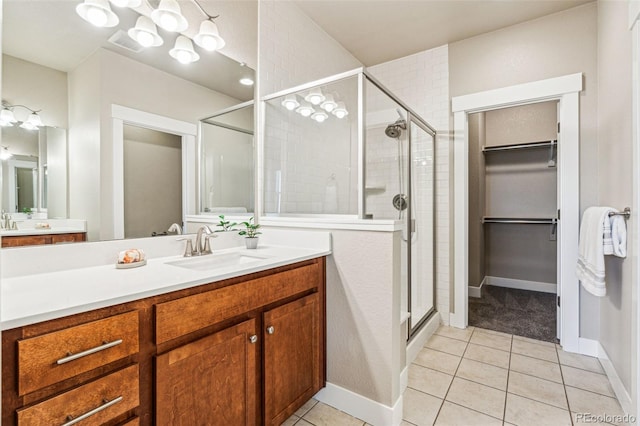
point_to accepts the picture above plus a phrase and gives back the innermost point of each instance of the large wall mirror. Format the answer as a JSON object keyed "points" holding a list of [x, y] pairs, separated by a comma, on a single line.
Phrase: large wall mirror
{"points": [[75, 75]]}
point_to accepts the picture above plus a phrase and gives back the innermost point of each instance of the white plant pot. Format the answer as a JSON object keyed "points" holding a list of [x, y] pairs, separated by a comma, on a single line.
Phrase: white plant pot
{"points": [[251, 243]]}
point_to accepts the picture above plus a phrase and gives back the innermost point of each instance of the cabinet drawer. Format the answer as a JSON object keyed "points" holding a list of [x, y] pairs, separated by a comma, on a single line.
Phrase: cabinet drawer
{"points": [[192, 313], [57, 356], [102, 399]]}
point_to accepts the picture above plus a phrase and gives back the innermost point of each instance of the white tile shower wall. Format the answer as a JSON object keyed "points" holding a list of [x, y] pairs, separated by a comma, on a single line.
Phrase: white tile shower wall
{"points": [[422, 82], [294, 49]]}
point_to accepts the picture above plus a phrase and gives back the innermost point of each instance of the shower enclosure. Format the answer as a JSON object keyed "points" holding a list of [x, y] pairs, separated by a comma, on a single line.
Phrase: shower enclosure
{"points": [[347, 149]]}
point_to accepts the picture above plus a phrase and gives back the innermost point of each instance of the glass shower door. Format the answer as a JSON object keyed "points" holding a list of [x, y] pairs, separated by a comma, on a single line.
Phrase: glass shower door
{"points": [[420, 226]]}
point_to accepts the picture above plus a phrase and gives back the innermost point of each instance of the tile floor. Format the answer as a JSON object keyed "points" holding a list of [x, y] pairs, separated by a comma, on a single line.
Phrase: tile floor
{"points": [[483, 377]]}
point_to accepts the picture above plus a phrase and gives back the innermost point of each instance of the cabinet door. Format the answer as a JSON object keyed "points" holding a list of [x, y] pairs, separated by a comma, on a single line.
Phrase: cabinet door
{"points": [[292, 352], [211, 381]]}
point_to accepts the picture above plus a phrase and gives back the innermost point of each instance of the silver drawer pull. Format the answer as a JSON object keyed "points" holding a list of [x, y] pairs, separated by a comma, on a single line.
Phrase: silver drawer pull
{"points": [[270, 329], [73, 357], [107, 404]]}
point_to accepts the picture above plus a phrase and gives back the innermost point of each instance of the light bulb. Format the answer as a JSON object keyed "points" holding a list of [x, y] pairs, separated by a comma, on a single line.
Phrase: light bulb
{"points": [[315, 96], [305, 110], [183, 51], [329, 104], [145, 39], [290, 102], [340, 110], [246, 81], [97, 16], [183, 57], [209, 43], [319, 116]]}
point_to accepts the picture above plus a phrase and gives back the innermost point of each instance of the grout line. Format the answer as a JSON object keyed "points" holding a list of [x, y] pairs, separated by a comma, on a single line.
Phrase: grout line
{"points": [[564, 386], [506, 392], [472, 409], [444, 398], [539, 402], [593, 392]]}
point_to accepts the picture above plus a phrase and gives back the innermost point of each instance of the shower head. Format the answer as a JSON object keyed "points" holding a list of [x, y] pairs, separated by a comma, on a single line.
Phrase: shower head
{"points": [[395, 130]]}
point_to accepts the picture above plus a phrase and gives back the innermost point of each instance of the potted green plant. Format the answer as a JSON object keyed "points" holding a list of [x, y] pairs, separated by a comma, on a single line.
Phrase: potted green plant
{"points": [[28, 212], [251, 233], [225, 224]]}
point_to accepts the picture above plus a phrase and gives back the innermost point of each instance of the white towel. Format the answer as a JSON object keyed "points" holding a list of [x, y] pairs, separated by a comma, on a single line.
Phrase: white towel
{"points": [[590, 267], [619, 236]]}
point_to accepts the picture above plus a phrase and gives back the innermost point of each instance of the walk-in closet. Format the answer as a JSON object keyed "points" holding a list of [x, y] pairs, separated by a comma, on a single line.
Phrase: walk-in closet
{"points": [[513, 213]]}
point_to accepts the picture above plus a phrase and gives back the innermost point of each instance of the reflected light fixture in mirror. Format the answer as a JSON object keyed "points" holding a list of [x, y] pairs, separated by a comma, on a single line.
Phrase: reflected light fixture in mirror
{"points": [[315, 96], [183, 51], [209, 37], [98, 13], [290, 102], [319, 116], [340, 111], [305, 110], [329, 103]]}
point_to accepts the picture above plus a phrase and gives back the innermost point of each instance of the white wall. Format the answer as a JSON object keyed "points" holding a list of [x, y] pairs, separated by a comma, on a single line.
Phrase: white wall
{"points": [[555, 45], [422, 82], [615, 179]]}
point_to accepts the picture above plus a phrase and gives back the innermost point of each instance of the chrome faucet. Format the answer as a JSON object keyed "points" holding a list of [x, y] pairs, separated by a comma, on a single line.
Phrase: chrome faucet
{"points": [[199, 249], [7, 220]]}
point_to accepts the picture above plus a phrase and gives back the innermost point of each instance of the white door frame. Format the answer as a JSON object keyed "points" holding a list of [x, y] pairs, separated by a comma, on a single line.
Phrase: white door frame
{"points": [[123, 115], [566, 90]]}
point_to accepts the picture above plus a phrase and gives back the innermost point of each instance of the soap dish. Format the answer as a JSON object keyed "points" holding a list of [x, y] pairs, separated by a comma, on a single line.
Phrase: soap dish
{"points": [[131, 265]]}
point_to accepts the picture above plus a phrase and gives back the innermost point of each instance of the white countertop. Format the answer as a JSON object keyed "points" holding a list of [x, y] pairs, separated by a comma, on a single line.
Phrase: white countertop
{"points": [[29, 299]]}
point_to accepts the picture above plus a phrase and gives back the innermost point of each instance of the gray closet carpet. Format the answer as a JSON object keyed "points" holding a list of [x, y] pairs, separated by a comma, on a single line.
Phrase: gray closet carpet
{"points": [[522, 312]]}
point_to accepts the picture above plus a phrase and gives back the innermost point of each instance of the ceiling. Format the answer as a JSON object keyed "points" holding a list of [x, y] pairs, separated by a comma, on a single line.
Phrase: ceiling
{"points": [[51, 33], [378, 31]]}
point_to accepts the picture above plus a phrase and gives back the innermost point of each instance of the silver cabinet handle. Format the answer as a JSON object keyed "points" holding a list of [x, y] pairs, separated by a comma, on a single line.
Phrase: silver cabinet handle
{"points": [[253, 339], [107, 404], [73, 357], [271, 330]]}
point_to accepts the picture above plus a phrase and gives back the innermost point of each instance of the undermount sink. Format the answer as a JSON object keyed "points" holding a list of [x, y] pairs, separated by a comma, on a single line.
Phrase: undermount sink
{"points": [[216, 261]]}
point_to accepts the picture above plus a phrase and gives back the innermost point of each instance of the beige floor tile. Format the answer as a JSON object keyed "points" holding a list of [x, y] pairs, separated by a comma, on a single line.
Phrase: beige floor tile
{"points": [[538, 389], [539, 342], [291, 420], [580, 361], [482, 373], [455, 333], [487, 355], [445, 344], [534, 350], [325, 415], [437, 360], [525, 412], [303, 422], [536, 367], [306, 407], [587, 380], [429, 381], [478, 397], [581, 401], [495, 341], [487, 331], [456, 415], [419, 408]]}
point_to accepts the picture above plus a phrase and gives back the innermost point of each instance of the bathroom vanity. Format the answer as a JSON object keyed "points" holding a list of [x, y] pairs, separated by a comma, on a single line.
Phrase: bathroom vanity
{"points": [[34, 239], [246, 347]]}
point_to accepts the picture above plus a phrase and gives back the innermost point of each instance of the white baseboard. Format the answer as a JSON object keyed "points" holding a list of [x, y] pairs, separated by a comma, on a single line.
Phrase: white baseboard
{"points": [[521, 284], [616, 383], [477, 291], [356, 405], [417, 343], [588, 347], [404, 379]]}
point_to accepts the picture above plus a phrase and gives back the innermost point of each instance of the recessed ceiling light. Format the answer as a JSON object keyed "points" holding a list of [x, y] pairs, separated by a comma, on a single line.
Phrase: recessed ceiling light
{"points": [[246, 81]]}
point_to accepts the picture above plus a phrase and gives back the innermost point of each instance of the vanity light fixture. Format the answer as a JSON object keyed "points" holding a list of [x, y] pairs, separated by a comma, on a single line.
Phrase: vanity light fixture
{"points": [[340, 111], [6, 117], [290, 102], [329, 103], [183, 51], [209, 37], [126, 3], [145, 32], [319, 116], [169, 16], [315, 96], [98, 13], [5, 154], [305, 110]]}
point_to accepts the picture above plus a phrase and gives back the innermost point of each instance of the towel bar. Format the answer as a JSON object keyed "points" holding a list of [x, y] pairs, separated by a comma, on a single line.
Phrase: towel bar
{"points": [[626, 213]]}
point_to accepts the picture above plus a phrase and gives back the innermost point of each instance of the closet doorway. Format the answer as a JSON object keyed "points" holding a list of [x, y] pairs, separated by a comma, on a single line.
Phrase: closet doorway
{"points": [[513, 208], [566, 90]]}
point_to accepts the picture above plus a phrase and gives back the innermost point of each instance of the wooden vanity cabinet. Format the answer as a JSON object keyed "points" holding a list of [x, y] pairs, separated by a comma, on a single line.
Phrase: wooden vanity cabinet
{"points": [[40, 239], [248, 350]]}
